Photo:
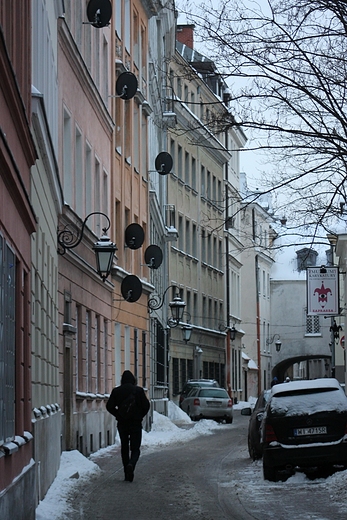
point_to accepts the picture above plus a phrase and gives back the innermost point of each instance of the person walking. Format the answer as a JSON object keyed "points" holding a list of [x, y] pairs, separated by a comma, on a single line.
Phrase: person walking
{"points": [[129, 405]]}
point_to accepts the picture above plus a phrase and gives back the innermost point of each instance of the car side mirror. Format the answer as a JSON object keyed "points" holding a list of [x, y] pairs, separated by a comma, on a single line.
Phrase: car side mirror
{"points": [[246, 411]]}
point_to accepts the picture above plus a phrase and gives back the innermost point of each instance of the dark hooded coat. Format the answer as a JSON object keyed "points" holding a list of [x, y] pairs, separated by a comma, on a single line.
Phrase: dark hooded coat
{"points": [[120, 393]]}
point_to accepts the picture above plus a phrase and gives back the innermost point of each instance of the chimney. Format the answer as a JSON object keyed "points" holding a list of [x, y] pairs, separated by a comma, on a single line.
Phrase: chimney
{"points": [[185, 35]]}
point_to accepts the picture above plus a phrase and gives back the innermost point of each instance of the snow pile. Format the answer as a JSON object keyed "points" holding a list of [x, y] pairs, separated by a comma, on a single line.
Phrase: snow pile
{"points": [[165, 432], [74, 468]]}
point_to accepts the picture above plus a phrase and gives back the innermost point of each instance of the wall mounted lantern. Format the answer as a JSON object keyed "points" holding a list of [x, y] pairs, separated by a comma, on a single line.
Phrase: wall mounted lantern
{"points": [[177, 306], [187, 332], [278, 342], [104, 249], [233, 333]]}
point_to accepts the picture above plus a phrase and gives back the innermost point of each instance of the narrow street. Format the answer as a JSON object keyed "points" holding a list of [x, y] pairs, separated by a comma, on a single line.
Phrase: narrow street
{"points": [[209, 478]]}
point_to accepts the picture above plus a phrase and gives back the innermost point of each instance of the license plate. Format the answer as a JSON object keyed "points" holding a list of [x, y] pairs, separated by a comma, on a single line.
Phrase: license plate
{"points": [[317, 430], [214, 403]]}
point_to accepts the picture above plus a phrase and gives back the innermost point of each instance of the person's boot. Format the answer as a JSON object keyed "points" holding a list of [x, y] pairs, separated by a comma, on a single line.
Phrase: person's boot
{"points": [[129, 473]]}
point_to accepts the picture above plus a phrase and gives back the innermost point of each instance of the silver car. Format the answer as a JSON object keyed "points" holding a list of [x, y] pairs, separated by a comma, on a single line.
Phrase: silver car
{"points": [[208, 403]]}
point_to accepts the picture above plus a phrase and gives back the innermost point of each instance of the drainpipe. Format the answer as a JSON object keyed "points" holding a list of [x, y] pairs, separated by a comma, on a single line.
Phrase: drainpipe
{"points": [[258, 321], [227, 360]]}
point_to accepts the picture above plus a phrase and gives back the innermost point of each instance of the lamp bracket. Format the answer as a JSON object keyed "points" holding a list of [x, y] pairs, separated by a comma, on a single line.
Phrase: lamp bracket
{"points": [[269, 341], [156, 302], [67, 239]]}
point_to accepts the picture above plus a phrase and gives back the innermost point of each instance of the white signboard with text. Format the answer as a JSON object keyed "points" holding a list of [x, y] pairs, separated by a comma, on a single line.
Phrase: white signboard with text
{"points": [[323, 291]]}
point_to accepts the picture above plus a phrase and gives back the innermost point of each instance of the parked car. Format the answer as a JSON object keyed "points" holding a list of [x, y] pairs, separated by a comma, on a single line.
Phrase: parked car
{"points": [[209, 403], [304, 425], [256, 415], [191, 383]]}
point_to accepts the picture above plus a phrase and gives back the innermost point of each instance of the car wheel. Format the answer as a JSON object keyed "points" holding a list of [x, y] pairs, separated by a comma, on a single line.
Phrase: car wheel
{"points": [[190, 415], [229, 420], [251, 450], [270, 473]]}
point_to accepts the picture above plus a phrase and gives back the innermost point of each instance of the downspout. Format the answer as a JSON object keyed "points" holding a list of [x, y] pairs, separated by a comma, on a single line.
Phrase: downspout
{"points": [[258, 321], [228, 346]]}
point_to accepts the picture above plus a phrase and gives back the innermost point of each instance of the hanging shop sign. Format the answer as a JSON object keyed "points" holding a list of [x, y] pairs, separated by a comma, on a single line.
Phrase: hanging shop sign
{"points": [[323, 291]]}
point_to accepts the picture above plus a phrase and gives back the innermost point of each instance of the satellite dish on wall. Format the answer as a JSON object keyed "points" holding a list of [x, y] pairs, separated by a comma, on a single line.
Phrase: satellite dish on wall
{"points": [[163, 163], [99, 13], [153, 257], [131, 288], [134, 236], [126, 85]]}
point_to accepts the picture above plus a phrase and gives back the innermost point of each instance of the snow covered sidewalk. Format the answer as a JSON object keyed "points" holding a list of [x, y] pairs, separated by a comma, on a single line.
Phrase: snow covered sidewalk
{"points": [[75, 468]]}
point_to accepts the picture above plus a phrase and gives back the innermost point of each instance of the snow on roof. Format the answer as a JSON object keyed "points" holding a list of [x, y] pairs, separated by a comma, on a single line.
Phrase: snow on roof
{"points": [[250, 363]]}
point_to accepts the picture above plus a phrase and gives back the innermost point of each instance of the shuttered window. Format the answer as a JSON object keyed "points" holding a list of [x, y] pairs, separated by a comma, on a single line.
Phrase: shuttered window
{"points": [[7, 341]]}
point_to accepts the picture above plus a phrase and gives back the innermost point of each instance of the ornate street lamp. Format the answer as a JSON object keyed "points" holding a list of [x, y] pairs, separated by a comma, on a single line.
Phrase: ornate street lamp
{"points": [[177, 306], [187, 330], [104, 249], [278, 342], [233, 333]]}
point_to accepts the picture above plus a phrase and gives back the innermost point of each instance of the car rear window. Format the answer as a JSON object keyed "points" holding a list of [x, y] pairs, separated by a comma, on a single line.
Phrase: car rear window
{"points": [[307, 402], [213, 392]]}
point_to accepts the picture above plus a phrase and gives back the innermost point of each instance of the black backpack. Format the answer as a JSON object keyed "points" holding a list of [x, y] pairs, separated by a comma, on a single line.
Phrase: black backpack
{"points": [[127, 407]]}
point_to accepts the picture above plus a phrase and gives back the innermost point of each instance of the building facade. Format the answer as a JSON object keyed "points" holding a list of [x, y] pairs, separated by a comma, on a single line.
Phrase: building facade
{"points": [[161, 44], [196, 189], [306, 343], [17, 223], [257, 236], [85, 140], [46, 198]]}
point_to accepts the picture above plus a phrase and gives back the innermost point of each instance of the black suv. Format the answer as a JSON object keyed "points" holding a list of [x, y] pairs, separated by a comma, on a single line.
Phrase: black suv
{"points": [[304, 425], [196, 382]]}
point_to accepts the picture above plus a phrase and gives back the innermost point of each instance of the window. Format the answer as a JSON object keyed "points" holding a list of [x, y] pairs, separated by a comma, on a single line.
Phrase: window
{"points": [[175, 376], [215, 252], [180, 233], [186, 168], [187, 246], [179, 88], [144, 359], [194, 241], [193, 180], [88, 352], [214, 189], [160, 354], [136, 43], [203, 246], [88, 178], [67, 158], [78, 172], [179, 162], [96, 359], [118, 18], [127, 32], [312, 324], [105, 357], [203, 181], [208, 185], [192, 101], [136, 352], [7, 341]]}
